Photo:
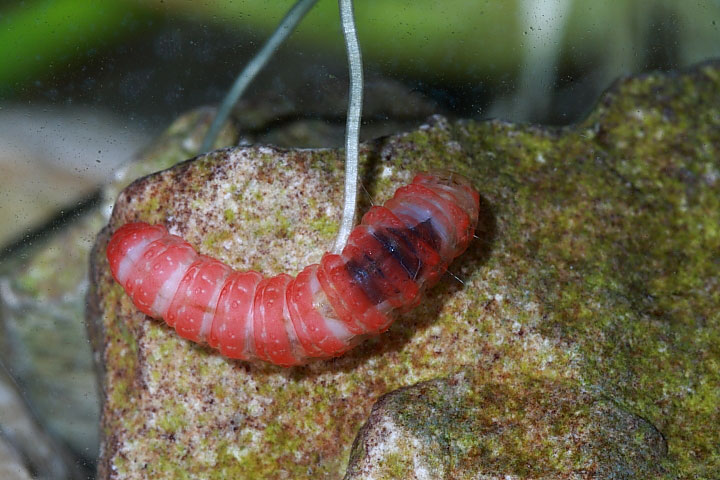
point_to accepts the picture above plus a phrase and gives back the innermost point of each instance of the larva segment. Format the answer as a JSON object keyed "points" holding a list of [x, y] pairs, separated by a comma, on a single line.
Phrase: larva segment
{"points": [[419, 210], [380, 267], [319, 331], [153, 270], [335, 299], [431, 265], [457, 220], [275, 338], [362, 310], [169, 269], [369, 275], [398, 251], [458, 190], [232, 328], [193, 307]]}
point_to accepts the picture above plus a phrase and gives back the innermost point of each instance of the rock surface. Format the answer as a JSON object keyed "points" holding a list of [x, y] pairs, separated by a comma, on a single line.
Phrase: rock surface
{"points": [[482, 424], [587, 316]]}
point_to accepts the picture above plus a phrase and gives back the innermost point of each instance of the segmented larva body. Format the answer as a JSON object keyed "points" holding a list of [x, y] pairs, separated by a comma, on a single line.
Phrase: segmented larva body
{"points": [[391, 258]]}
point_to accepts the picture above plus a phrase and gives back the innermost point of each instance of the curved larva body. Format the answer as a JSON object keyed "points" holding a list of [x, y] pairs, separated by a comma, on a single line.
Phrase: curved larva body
{"points": [[397, 251]]}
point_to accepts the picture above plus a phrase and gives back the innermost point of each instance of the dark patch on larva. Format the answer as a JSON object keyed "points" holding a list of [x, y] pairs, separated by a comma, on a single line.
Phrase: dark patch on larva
{"points": [[398, 247], [426, 232], [407, 260], [403, 237], [363, 272]]}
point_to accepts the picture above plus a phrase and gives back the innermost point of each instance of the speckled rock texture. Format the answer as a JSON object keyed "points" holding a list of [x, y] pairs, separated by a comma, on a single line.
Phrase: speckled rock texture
{"points": [[583, 341]]}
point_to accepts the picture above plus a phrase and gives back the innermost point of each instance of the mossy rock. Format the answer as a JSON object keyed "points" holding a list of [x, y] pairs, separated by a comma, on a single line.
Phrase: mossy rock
{"points": [[481, 423], [593, 285]]}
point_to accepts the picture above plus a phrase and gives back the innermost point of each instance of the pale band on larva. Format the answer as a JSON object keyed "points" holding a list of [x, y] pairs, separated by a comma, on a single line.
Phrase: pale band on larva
{"points": [[396, 253]]}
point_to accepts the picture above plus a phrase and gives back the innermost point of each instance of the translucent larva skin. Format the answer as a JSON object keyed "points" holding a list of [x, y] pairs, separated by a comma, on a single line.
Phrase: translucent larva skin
{"points": [[398, 251]]}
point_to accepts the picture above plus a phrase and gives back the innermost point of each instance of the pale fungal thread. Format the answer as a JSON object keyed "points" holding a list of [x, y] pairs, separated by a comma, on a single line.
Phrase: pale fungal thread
{"points": [[352, 129]]}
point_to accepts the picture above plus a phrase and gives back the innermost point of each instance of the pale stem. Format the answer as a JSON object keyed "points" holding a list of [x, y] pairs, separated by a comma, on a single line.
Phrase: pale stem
{"points": [[284, 29], [352, 129]]}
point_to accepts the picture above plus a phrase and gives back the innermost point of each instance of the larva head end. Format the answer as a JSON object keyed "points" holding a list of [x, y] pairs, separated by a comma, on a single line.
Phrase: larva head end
{"points": [[460, 187]]}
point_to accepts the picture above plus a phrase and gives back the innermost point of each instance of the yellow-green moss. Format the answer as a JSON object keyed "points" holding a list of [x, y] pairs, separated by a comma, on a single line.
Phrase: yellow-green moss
{"points": [[213, 238], [620, 238], [324, 225], [172, 417]]}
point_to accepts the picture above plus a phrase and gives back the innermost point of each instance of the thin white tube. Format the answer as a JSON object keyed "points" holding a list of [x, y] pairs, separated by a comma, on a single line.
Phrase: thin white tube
{"points": [[352, 129]]}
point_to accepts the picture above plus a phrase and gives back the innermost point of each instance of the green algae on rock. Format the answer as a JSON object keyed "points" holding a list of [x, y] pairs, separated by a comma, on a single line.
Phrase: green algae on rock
{"points": [[619, 217], [476, 423], [593, 289]]}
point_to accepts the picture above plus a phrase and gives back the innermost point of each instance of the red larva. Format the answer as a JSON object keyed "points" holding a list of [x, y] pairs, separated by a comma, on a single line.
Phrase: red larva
{"points": [[397, 251]]}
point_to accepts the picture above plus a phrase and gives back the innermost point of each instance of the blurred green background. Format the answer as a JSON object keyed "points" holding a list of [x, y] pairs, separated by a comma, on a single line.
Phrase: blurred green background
{"points": [[449, 42]]}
